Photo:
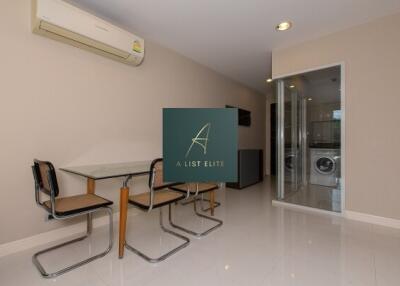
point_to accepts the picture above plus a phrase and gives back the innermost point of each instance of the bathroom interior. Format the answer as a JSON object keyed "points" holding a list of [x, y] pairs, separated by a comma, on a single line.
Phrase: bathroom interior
{"points": [[308, 139]]}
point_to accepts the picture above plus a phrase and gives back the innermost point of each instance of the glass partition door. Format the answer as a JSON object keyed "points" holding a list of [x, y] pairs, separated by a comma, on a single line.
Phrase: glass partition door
{"points": [[291, 140]]}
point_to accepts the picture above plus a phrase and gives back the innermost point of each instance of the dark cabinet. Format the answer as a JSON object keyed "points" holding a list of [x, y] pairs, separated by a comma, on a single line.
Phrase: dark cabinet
{"points": [[250, 168]]}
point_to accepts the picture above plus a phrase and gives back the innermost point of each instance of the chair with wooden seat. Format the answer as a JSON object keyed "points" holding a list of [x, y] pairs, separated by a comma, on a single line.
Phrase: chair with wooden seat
{"points": [[196, 191], [63, 208], [158, 196]]}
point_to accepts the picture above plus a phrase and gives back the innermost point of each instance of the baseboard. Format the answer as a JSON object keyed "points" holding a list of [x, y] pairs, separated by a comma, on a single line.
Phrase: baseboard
{"points": [[352, 215], [379, 220], [304, 208], [54, 235]]}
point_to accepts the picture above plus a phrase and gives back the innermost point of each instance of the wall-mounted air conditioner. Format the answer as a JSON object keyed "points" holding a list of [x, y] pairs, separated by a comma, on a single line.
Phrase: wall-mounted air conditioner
{"points": [[64, 22]]}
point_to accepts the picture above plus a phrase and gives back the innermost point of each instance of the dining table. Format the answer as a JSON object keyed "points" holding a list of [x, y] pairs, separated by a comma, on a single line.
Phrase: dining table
{"points": [[126, 171]]}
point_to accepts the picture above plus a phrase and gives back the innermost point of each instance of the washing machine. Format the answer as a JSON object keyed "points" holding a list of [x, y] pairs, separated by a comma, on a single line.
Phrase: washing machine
{"points": [[324, 167], [290, 161]]}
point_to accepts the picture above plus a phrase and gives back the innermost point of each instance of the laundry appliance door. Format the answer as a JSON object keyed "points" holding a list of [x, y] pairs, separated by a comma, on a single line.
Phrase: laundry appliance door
{"points": [[325, 165]]}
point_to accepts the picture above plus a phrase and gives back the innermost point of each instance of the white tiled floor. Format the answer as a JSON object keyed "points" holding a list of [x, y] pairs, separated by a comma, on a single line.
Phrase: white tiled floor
{"points": [[259, 244]]}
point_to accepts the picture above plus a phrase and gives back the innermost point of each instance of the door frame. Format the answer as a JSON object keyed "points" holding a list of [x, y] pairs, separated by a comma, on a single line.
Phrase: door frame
{"points": [[280, 136], [342, 122]]}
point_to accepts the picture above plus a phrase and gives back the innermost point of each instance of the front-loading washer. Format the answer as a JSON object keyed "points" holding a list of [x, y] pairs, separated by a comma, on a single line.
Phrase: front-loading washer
{"points": [[290, 161], [325, 166]]}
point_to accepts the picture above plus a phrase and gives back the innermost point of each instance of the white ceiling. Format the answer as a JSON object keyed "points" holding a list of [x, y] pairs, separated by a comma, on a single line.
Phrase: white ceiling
{"points": [[236, 37]]}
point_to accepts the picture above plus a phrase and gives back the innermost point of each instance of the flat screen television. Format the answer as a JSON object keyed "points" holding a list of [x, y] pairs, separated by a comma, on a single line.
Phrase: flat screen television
{"points": [[244, 116]]}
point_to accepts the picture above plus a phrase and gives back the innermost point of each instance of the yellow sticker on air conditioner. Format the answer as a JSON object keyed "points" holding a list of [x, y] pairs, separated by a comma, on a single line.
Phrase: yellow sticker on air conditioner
{"points": [[137, 47]]}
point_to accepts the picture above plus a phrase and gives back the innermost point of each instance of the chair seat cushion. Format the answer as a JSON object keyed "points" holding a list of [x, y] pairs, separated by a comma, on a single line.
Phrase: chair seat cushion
{"points": [[77, 204], [161, 198], [203, 187]]}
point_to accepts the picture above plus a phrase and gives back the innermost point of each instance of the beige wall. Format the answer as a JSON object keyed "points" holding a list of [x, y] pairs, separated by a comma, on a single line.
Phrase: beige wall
{"points": [[73, 107], [371, 53]]}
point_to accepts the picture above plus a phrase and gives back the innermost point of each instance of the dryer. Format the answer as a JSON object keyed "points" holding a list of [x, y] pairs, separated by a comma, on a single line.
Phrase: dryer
{"points": [[324, 167]]}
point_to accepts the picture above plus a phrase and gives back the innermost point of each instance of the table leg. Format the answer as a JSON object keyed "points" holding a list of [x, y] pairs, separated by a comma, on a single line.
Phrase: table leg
{"points": [[123, 212], [90, 190], [212, 202]]}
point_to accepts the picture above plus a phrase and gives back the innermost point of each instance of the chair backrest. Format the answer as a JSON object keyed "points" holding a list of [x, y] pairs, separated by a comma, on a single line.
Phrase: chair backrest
{"points": [[45, 177], [156, 178]]}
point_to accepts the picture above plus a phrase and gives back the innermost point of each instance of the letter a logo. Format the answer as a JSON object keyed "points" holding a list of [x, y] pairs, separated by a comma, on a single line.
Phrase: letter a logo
{"points": [[201, 139]]}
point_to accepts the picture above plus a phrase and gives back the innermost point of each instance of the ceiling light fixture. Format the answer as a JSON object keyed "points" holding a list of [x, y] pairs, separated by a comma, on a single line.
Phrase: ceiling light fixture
{"points": [[309, 99], [284, 26], [292, 86], [269, 80]]}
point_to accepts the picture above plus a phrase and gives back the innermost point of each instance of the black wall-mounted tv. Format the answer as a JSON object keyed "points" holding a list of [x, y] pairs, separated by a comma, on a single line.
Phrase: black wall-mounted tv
{"points": [[243, 115]]}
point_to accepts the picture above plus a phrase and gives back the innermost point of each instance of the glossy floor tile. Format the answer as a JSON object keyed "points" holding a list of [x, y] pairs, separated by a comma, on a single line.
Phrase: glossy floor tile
{"points": [[259, 244]]}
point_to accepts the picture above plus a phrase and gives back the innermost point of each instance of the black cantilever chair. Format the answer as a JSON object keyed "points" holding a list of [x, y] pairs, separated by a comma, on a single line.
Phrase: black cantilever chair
{"points": [[63, 208], [158, 196], [196, 191]]}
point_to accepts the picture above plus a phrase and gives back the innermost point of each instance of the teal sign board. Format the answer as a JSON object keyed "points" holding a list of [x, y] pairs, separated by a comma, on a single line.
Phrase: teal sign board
{"points": [[200, 144]]}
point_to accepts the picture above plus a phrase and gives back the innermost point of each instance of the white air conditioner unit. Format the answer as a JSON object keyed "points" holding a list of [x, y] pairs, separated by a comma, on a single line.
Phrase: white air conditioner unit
{"points": [[64, 22]]}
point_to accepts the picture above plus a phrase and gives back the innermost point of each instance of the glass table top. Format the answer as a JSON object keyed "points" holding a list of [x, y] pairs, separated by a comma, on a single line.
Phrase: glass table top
{"points": [[105, 171]]}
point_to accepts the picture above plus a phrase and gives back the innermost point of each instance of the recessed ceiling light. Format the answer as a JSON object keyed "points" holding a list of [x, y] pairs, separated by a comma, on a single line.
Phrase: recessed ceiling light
{"points": [[269, 79], [292, 86], [284, 26]]}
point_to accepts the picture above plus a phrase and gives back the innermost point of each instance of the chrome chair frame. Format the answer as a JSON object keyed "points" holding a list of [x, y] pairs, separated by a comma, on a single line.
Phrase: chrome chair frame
{"points": [[197, 197], [169, 253], [151, 205], [201, 200], [53, 214]]}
